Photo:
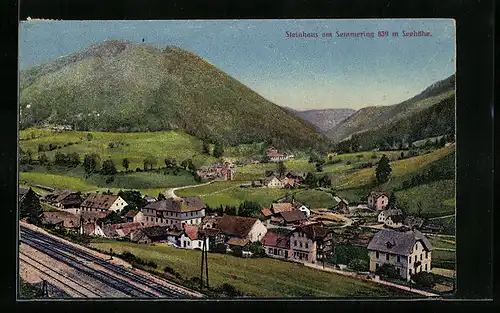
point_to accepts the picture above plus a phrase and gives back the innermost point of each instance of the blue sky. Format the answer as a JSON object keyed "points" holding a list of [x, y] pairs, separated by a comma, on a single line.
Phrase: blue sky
{"points": [[302, 73]]}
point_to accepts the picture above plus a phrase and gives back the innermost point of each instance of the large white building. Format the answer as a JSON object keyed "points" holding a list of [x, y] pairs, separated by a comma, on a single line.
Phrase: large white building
{"points": [[410, 252], [102, 203], [175, 212]]}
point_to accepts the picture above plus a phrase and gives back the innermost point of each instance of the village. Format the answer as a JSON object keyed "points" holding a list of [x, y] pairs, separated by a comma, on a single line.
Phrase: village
{"points": [[393, 243]]}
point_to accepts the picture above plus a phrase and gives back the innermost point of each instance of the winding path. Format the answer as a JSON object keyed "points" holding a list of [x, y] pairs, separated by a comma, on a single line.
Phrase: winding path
{"points": [[169, 193]]}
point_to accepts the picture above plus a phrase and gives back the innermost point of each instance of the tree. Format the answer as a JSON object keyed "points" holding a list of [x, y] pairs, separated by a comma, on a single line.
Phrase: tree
{"points": [[73, 159], [392, 200], [319, 166], [281, 169], [325, 181], [108, 167], [249, 209], [91, 163], [133, 198], [191, 166], [43, 159], [30, 208], [125, 163], [310, 180], [424, 279], [265, 159], [218, 150], [89, 136], [111, 218], [206, 147], [161, 197], [359, 265], [383, 170], [387, 270], [184, 164]]}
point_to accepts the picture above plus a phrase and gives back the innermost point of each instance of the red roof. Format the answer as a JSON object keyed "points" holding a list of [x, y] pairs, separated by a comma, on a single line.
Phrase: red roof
{"points": [[238, 242], [272, 239], [266, 212], [274, 154], [191, 231]]}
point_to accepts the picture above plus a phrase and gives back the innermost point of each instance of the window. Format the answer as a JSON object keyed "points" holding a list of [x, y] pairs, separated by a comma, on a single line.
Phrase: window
{"points": [[189, 243], [199, 243], [307, 246], [426, 267], [399, 258], [295, 242], [157, 220], [415, 259], [387, 256], [410, 271], [270, 250], [426, 254], [301, 244], [275, 251], [376, 265], [399, 271], [376, 254], [421, 256]]}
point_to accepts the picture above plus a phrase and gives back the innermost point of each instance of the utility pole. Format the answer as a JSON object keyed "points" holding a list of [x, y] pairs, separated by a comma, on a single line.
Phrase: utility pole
{"points": [[45, 289], [204, 261]]}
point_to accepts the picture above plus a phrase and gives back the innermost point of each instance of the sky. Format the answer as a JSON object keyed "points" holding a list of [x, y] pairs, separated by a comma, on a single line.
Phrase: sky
{"points": [[297, 72]]}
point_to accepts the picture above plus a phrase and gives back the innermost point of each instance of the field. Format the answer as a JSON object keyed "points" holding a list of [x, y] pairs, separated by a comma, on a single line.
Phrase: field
{"points": [[257, 171], [399, 169], [442, 242], [134, 146], [443, 259], [432, 197], [262, 277]]}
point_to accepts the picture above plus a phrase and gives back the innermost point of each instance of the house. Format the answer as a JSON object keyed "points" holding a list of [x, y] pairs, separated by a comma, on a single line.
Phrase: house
{"points": [[266, 212], [294, 217], [92, 229], [23, 192], [394, 221], [124, 229], [150, 234], [102, 203], [215, 236], [175, 212], [409, 251], [65, 199], [88, 217], [281, 207], [382, 216], [241, 228], [272, 182], [298, 176], [149, 199], [413, 222], [256, 183], [276, 245], [340, 205], [61, 219], [301, 207], [311, 242], [377, 200], [275, 156], [290, 183], [134, 216], [332, 154], [191, 238]]}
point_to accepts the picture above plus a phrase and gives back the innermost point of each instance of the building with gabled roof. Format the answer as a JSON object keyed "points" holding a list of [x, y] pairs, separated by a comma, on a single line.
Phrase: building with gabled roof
{"points": [[377, 200], [175, 212], [409, 251], [192, 238], [276, 245], [241, 227], [311, 242], [101, 203]]}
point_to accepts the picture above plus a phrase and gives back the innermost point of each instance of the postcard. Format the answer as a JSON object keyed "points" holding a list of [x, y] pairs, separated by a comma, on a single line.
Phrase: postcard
{"points": [[212, 159]]}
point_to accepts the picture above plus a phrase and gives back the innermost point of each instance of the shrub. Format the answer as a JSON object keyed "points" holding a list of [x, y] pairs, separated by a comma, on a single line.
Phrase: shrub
{"points": [[229, 290], [236, 251], [218, 248], [348, 163], [138, 169], [169, 270], [387, 270], [424, 279], [359, 265], [257, 250], [152, 264]]}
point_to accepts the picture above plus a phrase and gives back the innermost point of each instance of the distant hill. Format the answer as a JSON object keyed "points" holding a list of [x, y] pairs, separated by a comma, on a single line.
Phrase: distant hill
{"points": [[119, 86], [375, 119], [323, 120]]}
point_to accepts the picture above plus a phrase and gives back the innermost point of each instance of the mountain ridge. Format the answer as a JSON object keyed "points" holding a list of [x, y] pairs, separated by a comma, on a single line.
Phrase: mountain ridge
{"points": [[127, 87]]}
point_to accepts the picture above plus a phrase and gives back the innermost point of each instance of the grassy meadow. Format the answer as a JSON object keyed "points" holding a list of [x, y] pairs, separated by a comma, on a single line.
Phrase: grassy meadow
{"points": [[262, 277]]}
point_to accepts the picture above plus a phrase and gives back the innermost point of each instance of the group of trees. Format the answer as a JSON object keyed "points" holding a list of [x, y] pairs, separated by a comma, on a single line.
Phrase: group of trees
{"points": [[313, 181], [383, 171], [218, 148], [247, 209], [69, 160], [30, 208]]}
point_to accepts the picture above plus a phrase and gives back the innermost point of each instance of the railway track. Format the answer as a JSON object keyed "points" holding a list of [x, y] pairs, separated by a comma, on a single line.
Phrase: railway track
{"points": [[59, 277], [106, 278], [53, 244]]}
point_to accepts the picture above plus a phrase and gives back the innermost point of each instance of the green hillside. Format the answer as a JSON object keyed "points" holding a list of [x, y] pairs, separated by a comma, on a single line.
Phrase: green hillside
{"points": [[375, 118], [118, 86]]}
